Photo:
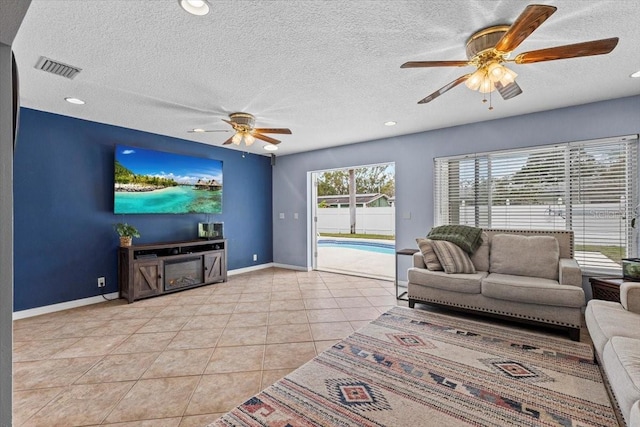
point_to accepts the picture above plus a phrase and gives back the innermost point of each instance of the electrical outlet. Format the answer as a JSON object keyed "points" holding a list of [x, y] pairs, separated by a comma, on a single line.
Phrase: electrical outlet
{"points": [[101, 282], [255, 257]]}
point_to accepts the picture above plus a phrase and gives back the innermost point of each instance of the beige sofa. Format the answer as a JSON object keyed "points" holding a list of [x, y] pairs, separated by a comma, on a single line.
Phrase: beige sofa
{"points": [[615, 330], [525, 276]]}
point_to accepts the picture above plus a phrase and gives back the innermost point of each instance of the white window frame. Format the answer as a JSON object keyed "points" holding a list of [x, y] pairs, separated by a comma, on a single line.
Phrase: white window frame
{"points": [[450, 194]]}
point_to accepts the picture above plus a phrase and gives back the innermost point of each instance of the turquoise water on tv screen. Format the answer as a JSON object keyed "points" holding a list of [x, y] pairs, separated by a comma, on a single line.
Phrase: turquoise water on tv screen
{"points": [[179, 199]]}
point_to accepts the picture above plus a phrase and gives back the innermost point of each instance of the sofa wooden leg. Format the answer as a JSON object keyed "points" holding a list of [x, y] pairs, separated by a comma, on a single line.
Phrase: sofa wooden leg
{"points": [[574, 334], [412, 303]]}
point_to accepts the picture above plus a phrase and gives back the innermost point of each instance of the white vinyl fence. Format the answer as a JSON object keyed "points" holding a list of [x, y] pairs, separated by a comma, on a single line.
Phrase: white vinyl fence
{"points": [[368, 220], [601, 223]]}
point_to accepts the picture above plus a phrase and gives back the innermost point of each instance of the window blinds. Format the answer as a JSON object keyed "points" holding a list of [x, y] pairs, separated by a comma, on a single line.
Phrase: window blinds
{"points": [[590, 187]]}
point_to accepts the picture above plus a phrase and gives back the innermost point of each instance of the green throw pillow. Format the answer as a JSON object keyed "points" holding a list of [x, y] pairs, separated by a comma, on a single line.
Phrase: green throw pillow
{"points": [[464, 236]]}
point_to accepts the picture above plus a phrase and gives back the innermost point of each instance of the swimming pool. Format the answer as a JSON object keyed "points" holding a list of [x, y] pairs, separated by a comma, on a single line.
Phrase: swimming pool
{"points": [[381, 248]]}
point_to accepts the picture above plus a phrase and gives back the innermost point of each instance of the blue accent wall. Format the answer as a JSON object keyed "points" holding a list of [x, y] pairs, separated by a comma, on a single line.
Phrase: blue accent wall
{"points": [[63, 206]]}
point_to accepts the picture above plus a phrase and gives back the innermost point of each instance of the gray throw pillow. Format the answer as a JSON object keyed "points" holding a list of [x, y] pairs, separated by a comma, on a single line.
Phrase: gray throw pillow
{"points": [[452, 257], [430, 257]]}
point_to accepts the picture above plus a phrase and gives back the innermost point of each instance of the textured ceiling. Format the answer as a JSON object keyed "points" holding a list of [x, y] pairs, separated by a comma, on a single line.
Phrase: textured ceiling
{"points": [[328, 70]]}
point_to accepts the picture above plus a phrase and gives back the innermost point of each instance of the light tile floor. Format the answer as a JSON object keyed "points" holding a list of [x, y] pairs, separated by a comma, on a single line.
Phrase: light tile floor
{"points": [[186, 358]]}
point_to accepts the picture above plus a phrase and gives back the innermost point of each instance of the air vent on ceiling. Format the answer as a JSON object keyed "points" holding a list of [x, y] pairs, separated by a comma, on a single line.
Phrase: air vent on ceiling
{"points": [[56, 67]]}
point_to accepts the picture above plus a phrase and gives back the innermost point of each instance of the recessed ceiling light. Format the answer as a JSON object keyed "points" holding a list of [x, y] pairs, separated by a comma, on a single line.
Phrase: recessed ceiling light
{"points": [[74, 101], [195, 7], [199, 130], [270, 147], [390, 123], [636, 74]]}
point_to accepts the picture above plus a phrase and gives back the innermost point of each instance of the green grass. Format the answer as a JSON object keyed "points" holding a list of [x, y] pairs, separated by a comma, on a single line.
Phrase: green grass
{"points": [[359, 236], [614, 253]]}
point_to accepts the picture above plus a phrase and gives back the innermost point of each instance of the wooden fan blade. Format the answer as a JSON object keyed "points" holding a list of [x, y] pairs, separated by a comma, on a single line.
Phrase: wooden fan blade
{"points": [[273, 130], [445, 88], [422, 64], [228, 141], [530, 19], [233, 125], [265, 138], [594, 47]]}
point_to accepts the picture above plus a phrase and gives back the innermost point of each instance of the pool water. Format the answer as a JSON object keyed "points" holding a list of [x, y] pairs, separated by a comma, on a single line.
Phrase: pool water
{"points": [[381, 248]]}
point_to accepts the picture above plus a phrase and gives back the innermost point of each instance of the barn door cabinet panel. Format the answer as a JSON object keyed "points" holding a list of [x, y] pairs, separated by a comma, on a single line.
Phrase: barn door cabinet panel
{"points": [[151, 270], [215, 267], [147, 279]]}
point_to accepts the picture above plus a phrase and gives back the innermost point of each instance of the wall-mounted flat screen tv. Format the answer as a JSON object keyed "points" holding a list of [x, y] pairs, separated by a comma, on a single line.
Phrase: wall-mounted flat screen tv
{"points": [[158, 182]]}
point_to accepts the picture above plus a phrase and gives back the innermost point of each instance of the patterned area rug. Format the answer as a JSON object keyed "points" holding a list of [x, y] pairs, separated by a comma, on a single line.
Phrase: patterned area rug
{"points": [[417, 368]]}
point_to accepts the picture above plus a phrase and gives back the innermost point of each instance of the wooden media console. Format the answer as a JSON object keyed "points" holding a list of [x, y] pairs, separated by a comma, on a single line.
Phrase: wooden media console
{"points": [[151, 270]]}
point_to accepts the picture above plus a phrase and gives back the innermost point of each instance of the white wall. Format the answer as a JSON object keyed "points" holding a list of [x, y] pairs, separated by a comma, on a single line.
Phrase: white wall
{"points": [[413, 156], [368, 220]]}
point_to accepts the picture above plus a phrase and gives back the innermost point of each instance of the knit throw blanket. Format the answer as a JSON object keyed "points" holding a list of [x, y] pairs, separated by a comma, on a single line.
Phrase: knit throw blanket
{"points": [[468, 238]]}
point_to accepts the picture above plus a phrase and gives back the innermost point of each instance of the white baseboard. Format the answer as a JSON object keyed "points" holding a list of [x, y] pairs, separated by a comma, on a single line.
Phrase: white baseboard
{"points": [[291, 267], [249, 269], [23, 314]]}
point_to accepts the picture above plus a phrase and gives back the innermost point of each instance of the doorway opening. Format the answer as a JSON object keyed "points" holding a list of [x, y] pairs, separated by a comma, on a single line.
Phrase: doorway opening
{"points": [[353, 220]]}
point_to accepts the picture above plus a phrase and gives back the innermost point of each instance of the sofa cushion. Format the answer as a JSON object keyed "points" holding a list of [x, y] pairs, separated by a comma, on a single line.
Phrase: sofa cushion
{"points": [[430, 257], [515, 254], [606, 319], [464, 283], [531, 290], [630, 296], [452, 257], [621, 363], [634, 417], [480, 257]]}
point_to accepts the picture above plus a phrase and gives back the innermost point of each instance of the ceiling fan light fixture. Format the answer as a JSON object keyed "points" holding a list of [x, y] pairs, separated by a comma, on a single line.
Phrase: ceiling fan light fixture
{"points": [[475, 80], [495, 71], [237, 138], [508, 77], [249, 139], [195, 7], [486, 86]]}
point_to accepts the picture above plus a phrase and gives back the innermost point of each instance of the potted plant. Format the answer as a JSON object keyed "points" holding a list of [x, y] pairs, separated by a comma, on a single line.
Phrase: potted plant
{"points": [[126, 232]]}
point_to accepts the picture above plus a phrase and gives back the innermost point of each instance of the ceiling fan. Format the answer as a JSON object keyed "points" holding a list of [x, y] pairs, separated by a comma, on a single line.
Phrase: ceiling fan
{"points": [[489, 48], [242, 124]]}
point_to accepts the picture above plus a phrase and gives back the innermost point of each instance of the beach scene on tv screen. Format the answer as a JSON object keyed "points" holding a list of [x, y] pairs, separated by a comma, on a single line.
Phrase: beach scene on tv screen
{"points": [[150, 181]]}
